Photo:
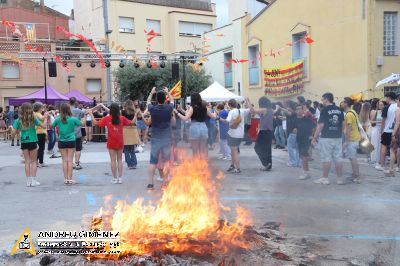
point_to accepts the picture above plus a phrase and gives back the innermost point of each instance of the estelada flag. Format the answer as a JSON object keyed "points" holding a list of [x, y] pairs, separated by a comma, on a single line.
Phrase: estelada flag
{"points": [[176, 91], [30, 32]]}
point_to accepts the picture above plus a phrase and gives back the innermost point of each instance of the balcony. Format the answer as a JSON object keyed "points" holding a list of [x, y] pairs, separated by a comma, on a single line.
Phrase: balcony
{"points": [[254, 76], [228, 79], [17, 47]]}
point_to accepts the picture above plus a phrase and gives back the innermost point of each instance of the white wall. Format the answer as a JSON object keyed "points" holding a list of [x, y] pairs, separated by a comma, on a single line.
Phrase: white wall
{"points": [[89, 18]]}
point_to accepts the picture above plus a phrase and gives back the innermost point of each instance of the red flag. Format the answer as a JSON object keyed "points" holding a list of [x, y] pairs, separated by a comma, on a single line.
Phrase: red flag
{"points": [[309, 40], [150, 39]]}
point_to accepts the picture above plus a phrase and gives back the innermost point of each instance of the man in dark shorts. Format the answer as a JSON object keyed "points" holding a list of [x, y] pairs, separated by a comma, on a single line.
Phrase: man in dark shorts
{"points": [[78, 113], [304, 127]]}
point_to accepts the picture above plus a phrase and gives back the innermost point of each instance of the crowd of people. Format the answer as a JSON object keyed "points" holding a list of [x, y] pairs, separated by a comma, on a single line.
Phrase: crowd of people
{"points": [[347, 130]]}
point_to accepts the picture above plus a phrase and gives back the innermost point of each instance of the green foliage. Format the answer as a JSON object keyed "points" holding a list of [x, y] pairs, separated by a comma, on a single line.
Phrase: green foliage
{"points": [[136, 83]]}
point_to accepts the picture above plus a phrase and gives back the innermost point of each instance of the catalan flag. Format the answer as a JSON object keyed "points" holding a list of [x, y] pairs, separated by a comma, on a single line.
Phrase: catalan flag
{"points": [[30, 32], [176, 91]]}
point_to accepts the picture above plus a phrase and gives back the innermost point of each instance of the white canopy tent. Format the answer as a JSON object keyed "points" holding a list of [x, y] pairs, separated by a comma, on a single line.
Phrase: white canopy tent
{"points": [[394, 78], [217, 93]]}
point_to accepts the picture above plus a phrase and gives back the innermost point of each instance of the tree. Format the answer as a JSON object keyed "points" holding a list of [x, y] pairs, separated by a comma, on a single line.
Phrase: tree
{"points": [[136, 83]]}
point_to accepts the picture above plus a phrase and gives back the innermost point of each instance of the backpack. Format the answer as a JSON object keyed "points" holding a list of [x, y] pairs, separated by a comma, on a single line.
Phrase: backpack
{"points": [[236, 122]]}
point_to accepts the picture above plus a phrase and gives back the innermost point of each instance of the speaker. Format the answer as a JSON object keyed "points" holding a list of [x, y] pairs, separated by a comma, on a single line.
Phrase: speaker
{"points": [[52, 69], [175, 71]]}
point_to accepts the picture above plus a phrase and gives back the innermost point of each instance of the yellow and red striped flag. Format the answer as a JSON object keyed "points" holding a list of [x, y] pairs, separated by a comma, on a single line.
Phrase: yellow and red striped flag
{"points": [[30, 32], [176, 91]]}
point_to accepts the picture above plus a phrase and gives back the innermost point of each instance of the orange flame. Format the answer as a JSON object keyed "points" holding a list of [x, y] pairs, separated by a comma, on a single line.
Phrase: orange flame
{"points": [[186, 219]]}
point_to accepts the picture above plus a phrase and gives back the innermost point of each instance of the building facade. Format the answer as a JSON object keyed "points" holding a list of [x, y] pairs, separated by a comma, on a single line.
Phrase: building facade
{"points": [[21, 77], [356, 45], [180, 24]]}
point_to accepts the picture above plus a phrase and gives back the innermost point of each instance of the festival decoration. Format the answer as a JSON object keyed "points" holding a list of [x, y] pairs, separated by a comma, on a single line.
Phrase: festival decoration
{"points": [[176, 91], [30, 30], [82, 38], [357, 97], [284, 81], [394, 78]]}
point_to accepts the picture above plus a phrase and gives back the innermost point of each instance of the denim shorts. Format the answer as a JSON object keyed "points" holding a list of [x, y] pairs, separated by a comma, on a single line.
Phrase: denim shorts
{"points": [[160, 146], [351, 150], [198, 131], [330, 150]]}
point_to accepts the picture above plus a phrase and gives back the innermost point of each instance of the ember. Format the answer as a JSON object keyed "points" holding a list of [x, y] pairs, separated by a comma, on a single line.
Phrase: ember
{"points": [[185, 220]]}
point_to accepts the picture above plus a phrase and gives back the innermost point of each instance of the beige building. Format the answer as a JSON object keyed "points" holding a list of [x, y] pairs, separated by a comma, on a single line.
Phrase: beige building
{"points": [[180, 24], [356, 44]]}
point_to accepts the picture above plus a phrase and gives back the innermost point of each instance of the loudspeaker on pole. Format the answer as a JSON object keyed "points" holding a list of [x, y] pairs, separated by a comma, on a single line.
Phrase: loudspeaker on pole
{"points": [[52, 69], [175, 71]]}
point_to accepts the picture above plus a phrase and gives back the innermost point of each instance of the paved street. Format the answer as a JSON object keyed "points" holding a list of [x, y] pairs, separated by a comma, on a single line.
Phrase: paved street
{"points": [[351, 221]]}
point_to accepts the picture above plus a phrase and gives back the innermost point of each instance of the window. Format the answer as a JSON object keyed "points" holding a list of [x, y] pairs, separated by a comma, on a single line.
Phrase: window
{"points": [[93, 85], [228, 70], [395, 89], [254, 65], [299, 51], [10, 70], [390, 33], [126, 25], [153, 25], [192, 28]]}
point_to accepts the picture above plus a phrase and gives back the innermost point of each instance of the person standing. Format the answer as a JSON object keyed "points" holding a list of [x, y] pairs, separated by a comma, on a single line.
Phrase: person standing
{"points": [[51, 134], [395, 142], [376, 125], [263, 145], [235, 133], [115, 143], [279, 133], [129, 150], [304, 127], [38, 109], [388, 122], [330, 126], [223, 132], [161, 139], [26, 124], [14, 116], [198, 132], [291, 117], [67, 125], [79, 114], [352, 138]]}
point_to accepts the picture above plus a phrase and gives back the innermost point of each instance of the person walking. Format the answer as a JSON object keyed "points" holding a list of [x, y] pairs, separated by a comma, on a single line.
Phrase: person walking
{"points": [[161, 139], [223, 132], [38, 109], [376, 125], [129, 150], [279, 133], [388, 122], [291, 117], [67, 125], [115, 124], [79, 114], [330, 125], [26, 124], [263, 145], [352, 138], [198, 132], [304, 127]]}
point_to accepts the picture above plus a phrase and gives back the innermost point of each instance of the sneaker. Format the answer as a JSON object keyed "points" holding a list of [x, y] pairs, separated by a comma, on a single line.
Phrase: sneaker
{"points": [[236, 171], [17, 143], [78, 166], [50, 152], [34, 183], [304, 176], [230, 169], [378, 167], [114, 180], [159, 179], [357, 180], [119, 180], [12, 143], [29, 181], [322, 181], [132, 167], [41, 165], [340, 181], [150, 187], [221, 157]]}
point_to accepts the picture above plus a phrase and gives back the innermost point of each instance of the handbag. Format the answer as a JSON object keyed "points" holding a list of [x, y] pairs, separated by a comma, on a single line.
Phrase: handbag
{"points": [[131, 135], [364, 144], [236, 122]]}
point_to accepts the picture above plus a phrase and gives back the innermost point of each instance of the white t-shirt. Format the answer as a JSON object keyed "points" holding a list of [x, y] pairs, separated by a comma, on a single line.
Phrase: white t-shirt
{"points": [[239, 131], [390, 119]]}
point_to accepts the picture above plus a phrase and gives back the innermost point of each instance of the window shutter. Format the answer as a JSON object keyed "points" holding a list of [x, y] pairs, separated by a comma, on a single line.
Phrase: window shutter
{"points": [[10, 70], [93, 85]]}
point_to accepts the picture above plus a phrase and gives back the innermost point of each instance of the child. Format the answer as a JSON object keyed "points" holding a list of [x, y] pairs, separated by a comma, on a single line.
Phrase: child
{"points": [[26, 125], [115, 123], [66, 126], [304, 127], [223, 133]]}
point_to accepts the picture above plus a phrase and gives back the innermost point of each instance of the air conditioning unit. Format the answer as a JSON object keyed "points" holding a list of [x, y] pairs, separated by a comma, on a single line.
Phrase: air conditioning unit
{"points": [[379, 61]]}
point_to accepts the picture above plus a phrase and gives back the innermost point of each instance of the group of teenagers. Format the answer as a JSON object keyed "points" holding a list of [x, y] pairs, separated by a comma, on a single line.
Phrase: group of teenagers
{"points": [[335, 129]]}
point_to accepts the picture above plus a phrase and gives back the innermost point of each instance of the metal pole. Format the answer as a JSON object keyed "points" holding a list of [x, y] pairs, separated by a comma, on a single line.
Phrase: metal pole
{"points": [[45, 80], [184, 80], [239, 88], [108, 71]]}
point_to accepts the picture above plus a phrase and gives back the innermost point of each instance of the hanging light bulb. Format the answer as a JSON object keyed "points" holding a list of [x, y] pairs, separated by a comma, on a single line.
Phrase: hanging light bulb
{"points": [[92, 64], [78, 64]]}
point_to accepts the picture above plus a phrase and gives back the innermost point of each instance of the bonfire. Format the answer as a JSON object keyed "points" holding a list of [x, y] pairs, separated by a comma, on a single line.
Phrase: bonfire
{"points": [[187, 219]]}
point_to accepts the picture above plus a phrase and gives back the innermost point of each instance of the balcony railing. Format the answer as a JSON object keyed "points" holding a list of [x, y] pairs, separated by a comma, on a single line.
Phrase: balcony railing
{"points": [[16, 47], [228, 80], [254, 76]]}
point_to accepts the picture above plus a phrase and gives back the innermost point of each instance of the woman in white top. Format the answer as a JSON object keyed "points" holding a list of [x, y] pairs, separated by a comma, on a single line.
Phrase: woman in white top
{"points": [[376, 125], [88, 127]]}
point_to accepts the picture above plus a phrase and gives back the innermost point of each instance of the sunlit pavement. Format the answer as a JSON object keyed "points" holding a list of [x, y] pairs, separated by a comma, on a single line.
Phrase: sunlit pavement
{"points": [[352, 221]]}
